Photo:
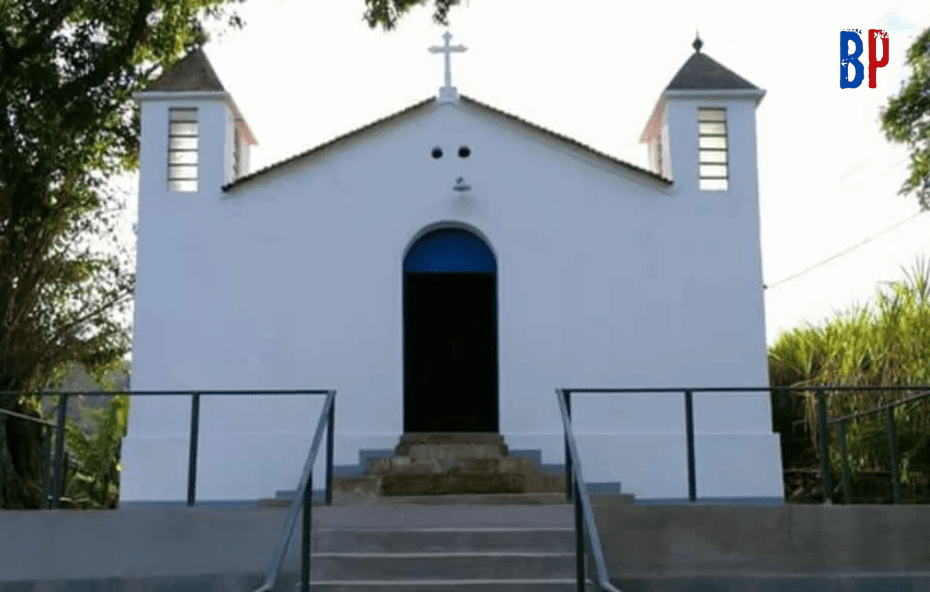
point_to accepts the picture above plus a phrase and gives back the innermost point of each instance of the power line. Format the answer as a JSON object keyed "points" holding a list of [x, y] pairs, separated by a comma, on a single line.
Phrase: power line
{"points": [[844, 252], [860, 169]]}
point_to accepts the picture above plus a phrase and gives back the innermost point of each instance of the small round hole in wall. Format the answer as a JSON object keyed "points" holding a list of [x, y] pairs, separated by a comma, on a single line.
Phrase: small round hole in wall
{"points": [[464, 152], [437, 152]]}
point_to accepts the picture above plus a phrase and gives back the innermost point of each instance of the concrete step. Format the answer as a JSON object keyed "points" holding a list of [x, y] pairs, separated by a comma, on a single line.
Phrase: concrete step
{"points": [[344, 499], [366, 484], [544, 498], [453, 540], [539, 482], [290, 581], [452, 483], [613, 499], [411, 464], [449, 548], [454, 451], [454, 440], [422, 465], [480, 499], [444, 516], [474, 585], [444, 565]]}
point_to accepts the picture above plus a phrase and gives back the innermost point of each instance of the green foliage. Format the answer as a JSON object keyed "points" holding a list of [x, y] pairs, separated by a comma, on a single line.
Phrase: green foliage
{"points": [[95, 482], [68, 126], [906, 119], [386, 13], [886, 343]]}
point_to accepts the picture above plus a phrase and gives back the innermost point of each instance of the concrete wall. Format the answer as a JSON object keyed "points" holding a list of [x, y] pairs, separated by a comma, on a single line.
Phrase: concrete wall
{"points": [[867, 548], [875, 548], [294, 280], [61, 545]]}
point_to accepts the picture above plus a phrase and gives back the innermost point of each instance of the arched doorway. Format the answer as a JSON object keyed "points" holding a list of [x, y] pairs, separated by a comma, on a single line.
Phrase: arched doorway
{"points": [[450, 334]]}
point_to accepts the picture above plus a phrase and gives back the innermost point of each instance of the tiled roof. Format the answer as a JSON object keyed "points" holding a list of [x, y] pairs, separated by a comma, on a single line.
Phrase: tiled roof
{"points": [[192, 73], [468, 101], [570, 141], [328, 145], [701, 72]]}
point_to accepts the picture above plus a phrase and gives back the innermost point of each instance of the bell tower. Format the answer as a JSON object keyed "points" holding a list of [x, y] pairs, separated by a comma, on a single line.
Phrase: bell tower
{"points": [[702, 133], [193, 137]]}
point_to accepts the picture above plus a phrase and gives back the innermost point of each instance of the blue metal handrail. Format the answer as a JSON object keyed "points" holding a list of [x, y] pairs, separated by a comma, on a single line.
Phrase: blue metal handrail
{"points": [[824, 423], [303, 500], [54, 501], [305, 487], [27, 417], [584, 515]]}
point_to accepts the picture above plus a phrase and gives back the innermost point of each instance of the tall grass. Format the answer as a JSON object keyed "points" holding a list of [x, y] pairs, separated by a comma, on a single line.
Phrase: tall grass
{"points": [[883, 343]]}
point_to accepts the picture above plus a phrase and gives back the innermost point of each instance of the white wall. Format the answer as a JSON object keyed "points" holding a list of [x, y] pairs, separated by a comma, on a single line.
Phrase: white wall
{"points": [[605, 278]]}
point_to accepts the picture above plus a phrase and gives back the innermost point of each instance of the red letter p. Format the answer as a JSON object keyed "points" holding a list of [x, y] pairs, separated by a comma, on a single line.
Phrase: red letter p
{"points": [[873, 63]]}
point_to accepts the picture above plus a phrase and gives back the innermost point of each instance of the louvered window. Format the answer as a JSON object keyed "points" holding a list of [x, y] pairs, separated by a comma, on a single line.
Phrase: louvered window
{"points": [[712, 139], [182, 150]]}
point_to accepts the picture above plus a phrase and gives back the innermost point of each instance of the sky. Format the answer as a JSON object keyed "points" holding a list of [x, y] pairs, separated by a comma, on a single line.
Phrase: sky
{"points": [[304, 72]]}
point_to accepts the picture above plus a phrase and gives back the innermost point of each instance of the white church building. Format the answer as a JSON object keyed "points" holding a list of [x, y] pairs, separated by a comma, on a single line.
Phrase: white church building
{"points": [[445, 269]]}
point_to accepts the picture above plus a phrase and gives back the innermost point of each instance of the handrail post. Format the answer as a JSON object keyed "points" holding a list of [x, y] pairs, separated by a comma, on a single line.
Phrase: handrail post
{"points": [[579, 539], [823, 433], [569, 488], [841, 432], [192, 458], [46, 469], [305, 536], [302, 502], [689, 429], [893, 456], [59, 449], [582, 501], [330, 426]]}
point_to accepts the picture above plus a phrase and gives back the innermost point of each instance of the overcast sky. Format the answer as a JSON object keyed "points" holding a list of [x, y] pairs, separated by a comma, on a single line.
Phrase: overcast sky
{"points": [[305, 72]]}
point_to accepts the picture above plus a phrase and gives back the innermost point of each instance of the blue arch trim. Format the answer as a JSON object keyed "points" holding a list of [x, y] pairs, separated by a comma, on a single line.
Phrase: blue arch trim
{"points": [[450, 250]]}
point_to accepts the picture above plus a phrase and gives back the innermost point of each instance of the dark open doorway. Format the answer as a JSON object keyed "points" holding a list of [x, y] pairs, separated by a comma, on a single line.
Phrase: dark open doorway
{"points": [[450, 335]]}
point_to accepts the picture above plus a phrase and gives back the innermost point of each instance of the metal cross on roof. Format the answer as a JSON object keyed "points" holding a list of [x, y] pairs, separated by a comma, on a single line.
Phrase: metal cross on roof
{"points": [[448, 92]]}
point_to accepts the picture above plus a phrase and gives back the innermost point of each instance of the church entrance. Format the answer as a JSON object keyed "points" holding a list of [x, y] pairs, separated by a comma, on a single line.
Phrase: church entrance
{"points": [[450, 334]]}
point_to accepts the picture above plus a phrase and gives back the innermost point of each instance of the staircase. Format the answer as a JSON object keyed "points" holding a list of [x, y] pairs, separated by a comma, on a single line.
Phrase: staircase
{"points": [[448, 548], [449, 512], [430, 464]]}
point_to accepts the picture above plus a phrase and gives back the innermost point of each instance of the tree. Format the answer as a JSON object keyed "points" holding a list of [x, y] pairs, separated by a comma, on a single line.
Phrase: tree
{"points": [[906, 119], [68, 126], [386, 13]]}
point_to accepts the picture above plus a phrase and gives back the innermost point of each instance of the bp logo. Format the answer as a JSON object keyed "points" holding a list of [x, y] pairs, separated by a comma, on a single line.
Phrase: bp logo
{"points": [[851, 50]]}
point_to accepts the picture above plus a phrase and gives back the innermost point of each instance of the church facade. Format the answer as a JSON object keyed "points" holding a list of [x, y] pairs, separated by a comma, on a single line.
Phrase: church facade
{"points": [[445, 269]]}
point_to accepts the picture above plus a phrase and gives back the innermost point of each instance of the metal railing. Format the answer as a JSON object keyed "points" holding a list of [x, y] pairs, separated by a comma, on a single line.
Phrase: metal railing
{"points": [[839, 423], [576, 489], [52, 489], [584, 514], [824, 423], [46, 457], [303, 501]]}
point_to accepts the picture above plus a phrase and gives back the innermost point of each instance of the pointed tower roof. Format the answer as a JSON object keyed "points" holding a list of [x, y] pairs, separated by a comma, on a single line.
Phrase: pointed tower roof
{"points": [[701, 76], [701, 72], [192, 73], [195, 75]]}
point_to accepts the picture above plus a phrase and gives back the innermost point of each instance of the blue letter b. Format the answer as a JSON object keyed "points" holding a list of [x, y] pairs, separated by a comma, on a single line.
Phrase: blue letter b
{"points": [[846, 59]]}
